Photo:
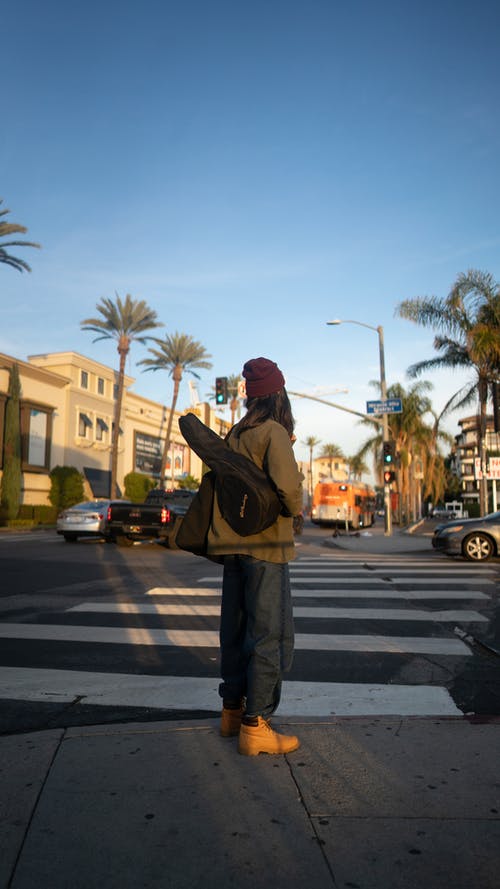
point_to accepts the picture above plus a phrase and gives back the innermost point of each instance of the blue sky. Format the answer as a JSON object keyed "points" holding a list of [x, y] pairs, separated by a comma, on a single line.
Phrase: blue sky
{"points": [[251, 171]]}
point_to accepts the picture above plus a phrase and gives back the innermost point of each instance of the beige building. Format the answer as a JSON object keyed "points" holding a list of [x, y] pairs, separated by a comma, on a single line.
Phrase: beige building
{"points": [[467, 452], [323, 468], [67, 410]]}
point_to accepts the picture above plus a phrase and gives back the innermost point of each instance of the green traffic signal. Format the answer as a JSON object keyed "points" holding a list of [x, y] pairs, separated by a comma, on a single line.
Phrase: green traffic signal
{"points": [[221, 390], [388, 453]]}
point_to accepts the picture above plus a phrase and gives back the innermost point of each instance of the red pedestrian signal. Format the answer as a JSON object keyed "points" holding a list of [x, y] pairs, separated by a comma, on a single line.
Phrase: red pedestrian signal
{"points": [[389, 476]]}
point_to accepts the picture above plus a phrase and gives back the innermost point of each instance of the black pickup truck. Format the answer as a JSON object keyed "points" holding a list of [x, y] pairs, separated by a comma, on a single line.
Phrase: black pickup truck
{"points": [[158, 518]]}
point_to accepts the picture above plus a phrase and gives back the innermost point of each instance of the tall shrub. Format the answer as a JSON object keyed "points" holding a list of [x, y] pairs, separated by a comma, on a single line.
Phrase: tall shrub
{"points": [[12, 476], [137, 486], [66, 486]]}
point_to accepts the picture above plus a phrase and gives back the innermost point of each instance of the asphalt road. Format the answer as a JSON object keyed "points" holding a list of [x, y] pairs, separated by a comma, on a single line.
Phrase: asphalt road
{"points": [[360, 622]]}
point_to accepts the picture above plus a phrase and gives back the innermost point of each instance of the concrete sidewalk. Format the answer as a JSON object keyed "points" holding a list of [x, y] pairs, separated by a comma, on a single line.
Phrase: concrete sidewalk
{"points": [[374, 542], [370, 803]]}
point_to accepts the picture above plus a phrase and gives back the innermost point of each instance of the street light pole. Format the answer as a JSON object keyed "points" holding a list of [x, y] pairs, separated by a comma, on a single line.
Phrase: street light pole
{"points": [[385, 421]]}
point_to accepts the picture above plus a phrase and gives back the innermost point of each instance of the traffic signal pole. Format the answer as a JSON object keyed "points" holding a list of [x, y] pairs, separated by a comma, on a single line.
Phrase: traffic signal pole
{"points": [[385, 433]]}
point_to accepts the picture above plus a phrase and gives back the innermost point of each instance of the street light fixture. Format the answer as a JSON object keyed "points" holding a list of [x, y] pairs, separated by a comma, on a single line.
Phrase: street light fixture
{"points": [[385, 422]]}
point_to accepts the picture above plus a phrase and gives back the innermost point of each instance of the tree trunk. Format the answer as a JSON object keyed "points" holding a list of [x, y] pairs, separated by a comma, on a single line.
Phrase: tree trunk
{"points": [[483, 484], [177, 376], [123, 350], [233, 406], [12, 475]]}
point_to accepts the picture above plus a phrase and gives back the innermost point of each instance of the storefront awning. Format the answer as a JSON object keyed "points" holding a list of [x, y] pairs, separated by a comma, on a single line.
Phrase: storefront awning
{"points": [[99, 481]]}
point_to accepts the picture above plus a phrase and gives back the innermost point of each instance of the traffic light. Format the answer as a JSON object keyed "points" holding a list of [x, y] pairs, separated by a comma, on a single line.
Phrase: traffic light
{"points": [[221, 390], [389, 476], [389, 453]]}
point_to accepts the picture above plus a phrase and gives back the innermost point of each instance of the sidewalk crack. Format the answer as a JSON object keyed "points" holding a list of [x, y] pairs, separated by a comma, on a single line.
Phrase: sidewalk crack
{"points": [[34, 809], [318, 839]]}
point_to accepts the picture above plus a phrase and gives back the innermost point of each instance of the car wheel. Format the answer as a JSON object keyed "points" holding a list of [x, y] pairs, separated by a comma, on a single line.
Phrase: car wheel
{"points": [[121, 540], [70, 538], [478, 547]]}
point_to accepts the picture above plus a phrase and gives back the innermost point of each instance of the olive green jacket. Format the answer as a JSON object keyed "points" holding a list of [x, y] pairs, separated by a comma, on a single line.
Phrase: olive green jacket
{"points": [[269, 446]]}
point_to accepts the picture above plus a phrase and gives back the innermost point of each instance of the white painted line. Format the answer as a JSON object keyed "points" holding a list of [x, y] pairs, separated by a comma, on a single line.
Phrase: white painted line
{"points": [[111, 689], [373, 579], [183, 591], [388, 561], [374, 572], [369, 578], [386, 644], [193, 609], [349, 699], [112, 635], [406, 614], [28, 538], [200, 693], [196, 609], [210, 639], [337, 593]]}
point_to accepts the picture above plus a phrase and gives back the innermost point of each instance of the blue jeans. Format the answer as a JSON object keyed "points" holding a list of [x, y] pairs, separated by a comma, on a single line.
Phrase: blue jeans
{"points": [[256, 632]]}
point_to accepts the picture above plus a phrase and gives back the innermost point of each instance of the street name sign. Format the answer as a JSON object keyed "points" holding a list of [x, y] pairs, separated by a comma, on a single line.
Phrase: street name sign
{"points": [[388, 406]]}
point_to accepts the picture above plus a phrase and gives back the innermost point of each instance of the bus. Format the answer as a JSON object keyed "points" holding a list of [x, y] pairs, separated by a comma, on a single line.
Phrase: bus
{"points": [[348, 503]]}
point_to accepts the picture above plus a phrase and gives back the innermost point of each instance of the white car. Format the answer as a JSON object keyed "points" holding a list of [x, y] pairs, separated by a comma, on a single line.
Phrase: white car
{"points": [[83, 520]]}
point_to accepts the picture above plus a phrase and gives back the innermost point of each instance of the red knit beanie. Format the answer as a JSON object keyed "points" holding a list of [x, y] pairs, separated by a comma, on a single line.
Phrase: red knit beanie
{"points": [[263, 377]]}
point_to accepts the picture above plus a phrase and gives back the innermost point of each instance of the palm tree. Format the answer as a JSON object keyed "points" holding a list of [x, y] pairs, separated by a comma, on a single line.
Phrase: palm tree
{"points": [[467, 325], [311, 442], [125, 322], [176, 354], [331, 452], [357, 466], [11, 228], [233, 382], [416, 444]]}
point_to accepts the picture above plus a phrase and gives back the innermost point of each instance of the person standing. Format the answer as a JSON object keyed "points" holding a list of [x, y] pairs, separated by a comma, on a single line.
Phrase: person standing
{"points": [[256, 629]]}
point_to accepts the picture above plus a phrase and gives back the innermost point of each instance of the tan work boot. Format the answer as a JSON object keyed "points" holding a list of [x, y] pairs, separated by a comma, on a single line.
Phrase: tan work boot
{"points": [[230, 722], [261, 738]]}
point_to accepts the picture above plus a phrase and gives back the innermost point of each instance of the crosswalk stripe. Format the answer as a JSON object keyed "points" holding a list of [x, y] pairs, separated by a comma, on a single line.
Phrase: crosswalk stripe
{"points": [[309, 569], [201, 693], [387, 593], [338, 593], [389, 561], [372, 579], [380, 580], [199, 610], [182, 591], [210, 639]]}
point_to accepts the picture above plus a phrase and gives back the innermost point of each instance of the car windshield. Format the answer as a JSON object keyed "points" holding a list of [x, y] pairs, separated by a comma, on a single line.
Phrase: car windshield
{"points": [[493, 516], [90, 505]]}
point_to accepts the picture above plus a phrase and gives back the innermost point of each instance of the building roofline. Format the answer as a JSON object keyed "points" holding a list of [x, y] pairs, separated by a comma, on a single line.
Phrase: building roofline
{"points": [[34, 370], [76, 358]]}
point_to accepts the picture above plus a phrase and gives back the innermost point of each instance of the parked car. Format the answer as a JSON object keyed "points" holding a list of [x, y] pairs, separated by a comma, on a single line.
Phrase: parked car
{"points": [[475, 539], [158, 518], [88, 519]]}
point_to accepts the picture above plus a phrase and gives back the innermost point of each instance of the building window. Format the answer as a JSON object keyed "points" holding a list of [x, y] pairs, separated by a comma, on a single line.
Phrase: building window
{"points": [[101, 427], [100, 386], [84, 423], [36, 437], [115, 391], [84, 379]]}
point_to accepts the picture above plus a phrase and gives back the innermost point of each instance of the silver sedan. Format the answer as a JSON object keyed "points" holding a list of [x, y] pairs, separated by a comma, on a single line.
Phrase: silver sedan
{"points": [[86, 519], [475, 539]]}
